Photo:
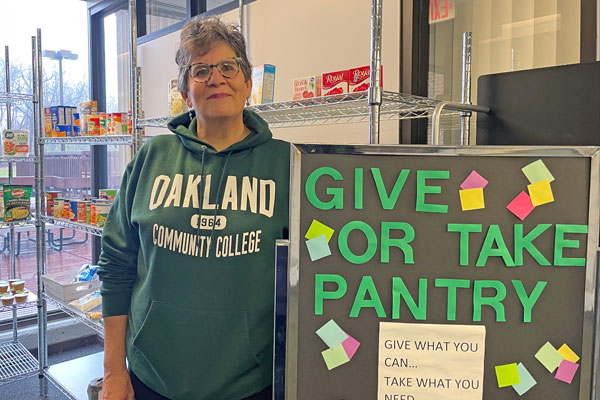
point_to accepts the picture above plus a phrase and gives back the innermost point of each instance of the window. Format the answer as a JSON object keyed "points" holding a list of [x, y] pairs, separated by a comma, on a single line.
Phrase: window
{"points": [[508, 35]]}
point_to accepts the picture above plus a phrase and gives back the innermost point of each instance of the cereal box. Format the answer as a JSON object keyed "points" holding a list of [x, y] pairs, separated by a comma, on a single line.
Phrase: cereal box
{"points": [[335, 83], [16, 202], [263, 84], [107, 194], [360, 79], [305, 88]]}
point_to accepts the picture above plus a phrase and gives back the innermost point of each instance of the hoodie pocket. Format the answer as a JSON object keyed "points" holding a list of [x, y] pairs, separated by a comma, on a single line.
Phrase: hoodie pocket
{"points": [[189, 351]]}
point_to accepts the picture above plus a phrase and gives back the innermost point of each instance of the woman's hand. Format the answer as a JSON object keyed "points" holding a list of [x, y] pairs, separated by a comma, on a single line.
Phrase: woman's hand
{"points": [[117, 385]]}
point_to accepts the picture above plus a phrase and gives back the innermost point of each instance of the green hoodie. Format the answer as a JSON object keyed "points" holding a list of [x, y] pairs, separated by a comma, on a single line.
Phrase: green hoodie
{"points": [[188, 254]]}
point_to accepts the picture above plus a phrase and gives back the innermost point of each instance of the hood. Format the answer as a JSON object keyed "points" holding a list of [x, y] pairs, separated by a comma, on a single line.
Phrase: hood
{"points": [[185, 128]]}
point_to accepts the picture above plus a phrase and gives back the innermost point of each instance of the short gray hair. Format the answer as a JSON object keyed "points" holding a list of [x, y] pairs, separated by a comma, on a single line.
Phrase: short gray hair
{"points": [[198, 36]]}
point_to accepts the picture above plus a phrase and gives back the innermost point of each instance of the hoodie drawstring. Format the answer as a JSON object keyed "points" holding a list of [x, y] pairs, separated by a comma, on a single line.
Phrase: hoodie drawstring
{"points": [[219, 199]]}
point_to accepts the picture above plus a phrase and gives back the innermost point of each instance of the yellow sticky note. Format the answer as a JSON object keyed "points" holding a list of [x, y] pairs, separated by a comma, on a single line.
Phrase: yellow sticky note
{"points": [[568, 354], [471, 199], [540, 193], [317, 229]]}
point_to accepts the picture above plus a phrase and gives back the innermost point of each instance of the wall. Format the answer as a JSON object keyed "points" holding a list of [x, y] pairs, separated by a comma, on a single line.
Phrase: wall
{"points": [[301, 38]]}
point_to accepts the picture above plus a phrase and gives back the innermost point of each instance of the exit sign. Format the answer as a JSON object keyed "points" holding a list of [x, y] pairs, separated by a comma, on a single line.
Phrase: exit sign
{"points": [[440, 10]]}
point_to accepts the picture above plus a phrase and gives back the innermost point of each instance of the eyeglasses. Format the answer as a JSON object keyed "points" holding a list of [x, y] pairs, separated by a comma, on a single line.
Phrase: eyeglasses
{"points": [[228, 68]]}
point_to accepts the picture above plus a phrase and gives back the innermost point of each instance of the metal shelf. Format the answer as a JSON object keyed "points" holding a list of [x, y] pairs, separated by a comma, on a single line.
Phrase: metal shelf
{"points": [[338, 109], [14, 98], [92, 229], [17, 224], [96, 325], [31, 299], [92, 140], [16, 159], [16, 362]]}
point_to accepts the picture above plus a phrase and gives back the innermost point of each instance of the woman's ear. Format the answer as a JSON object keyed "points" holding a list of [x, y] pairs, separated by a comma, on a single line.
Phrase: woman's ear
{"points": [[187, 100]]}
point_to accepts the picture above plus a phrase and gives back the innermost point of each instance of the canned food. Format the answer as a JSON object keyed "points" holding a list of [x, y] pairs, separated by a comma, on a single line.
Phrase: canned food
{"points": [[51, 195], [58, 207], [66, 209], [102, 210]]}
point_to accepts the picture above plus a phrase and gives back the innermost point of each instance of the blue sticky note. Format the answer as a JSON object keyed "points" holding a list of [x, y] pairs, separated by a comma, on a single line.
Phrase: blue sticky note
{"points": [[527, 381], [332, 334], [318, 248]]}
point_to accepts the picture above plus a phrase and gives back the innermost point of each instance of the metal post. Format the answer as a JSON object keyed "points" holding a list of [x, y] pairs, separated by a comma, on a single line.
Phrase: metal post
{"points": [[11, 228], [375, 93], [241, 16], [133, 85], [465, 117], [40, 225]]}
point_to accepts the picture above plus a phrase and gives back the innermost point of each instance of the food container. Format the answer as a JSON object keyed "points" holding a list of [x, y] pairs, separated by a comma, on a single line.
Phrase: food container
{"points": [[66, 214], [88, 211], [17, 285], [3, 287], [60, 285], [16, 202], [81, 211], [21, 298], [107, 194], [51, 196], [305, 88], [335, 83], [102, 210], [74, 208], [7, 299], [15, 142], [58, 207]]}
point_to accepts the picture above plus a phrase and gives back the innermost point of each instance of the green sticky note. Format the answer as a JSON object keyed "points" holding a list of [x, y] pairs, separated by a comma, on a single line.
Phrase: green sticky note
{"points": [[471, 199], [527, 381], [549, 357], [335, 357], [318, 248], [507, 375], [332, 334], [540, 193], [317, 229], [537, 171]]}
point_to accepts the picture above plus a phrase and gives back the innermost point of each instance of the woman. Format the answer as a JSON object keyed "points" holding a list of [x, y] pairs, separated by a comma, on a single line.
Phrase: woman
{"points": [[188, 248]]}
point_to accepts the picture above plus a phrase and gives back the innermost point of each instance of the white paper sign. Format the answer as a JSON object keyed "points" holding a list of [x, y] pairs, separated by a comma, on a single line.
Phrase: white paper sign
{"points": [[430, 362]]}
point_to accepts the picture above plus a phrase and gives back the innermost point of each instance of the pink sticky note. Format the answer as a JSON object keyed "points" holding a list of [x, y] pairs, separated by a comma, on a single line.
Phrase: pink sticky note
{"points": [[521, 206], [474, 181], [566, 371], [350, 345]]}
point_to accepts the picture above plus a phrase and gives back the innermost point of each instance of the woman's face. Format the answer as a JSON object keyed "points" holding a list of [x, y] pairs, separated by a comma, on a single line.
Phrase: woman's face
{"points": [[218, 97]]}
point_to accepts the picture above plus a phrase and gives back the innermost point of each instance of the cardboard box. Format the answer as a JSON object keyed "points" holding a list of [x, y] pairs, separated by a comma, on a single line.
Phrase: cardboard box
{"points": [[335, 83], [360, 79], [59, 285], [305, 88], [263, 84]]}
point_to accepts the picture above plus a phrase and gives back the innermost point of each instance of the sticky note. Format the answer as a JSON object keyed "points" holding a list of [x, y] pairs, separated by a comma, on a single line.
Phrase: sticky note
{"points": [[474, 181], [471, 199], [335, 357], [549, 357], [350, 346], [527, 381], [317, 229], [568, 354], [332, 334], [540, 193], [507, 375], [566, 371], [318, 248], [521, 206], [537, 171]]}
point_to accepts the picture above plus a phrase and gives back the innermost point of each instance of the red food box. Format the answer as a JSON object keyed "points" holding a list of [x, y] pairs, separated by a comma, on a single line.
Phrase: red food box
{"points": [[335, 83], [360, 79]]}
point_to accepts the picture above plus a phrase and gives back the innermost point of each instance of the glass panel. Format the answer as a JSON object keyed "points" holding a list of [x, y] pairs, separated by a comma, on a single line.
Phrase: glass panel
{"points": [[212, 4], [116, 51], [163, 13], [508, 35], [63, 24]]}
